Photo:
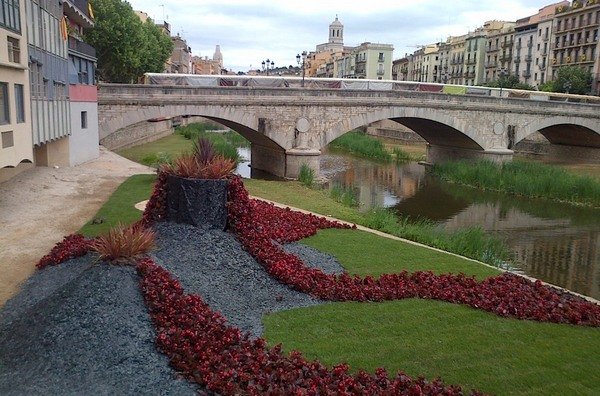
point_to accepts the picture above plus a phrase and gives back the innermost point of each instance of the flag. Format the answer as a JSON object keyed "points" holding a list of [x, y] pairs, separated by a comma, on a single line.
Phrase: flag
{"points": [[90, 10], [63, 28]]}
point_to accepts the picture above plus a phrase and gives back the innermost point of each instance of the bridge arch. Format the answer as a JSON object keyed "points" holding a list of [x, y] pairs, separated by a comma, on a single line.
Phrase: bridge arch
{"points": [[245, 123], [435, 127], [564, 131]]}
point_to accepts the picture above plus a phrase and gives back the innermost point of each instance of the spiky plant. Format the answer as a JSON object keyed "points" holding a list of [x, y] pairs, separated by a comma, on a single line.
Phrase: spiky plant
{"points": [[204, 150], [123, 244]]}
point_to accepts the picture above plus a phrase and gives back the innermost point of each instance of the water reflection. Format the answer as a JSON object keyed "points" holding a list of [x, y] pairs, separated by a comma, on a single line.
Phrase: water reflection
{"points": [[554, 242]]}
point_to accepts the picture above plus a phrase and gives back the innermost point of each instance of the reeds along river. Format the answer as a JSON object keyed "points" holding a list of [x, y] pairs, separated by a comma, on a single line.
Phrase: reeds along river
{"points": [[555, 242]]}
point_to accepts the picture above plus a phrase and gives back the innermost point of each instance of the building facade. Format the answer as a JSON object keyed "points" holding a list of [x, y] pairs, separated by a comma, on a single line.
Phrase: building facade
{"points": [[207, 65], [576, 39], [48, 75], [16, 146], [83, 92]]}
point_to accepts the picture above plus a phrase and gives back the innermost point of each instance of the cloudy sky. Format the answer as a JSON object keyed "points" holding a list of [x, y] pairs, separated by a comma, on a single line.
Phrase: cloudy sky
{"points": [[251, 31]]}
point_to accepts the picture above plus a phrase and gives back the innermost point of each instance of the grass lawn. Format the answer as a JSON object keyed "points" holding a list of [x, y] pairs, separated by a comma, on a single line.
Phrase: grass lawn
{"points": [[461, 345], [120, 206], [364, 253], [172, 145]]}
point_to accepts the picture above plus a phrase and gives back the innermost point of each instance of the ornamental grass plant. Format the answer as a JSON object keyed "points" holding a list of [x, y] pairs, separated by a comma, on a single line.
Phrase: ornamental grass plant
{"points": [[203, 163], [123, 244]]}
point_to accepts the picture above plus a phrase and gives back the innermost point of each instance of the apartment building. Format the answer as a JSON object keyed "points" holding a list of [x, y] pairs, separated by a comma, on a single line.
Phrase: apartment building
{"points": [[400, 69], [49, 77], [373, 61], [83, 92], [16, 147], [576, 39], [208, 65], [457, 58], [496, 54], [474, 57]]}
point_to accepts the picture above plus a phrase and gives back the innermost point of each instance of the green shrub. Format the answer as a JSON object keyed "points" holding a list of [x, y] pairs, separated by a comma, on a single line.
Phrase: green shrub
{"points": [[363, 145], [528, 179], [306, 175], [344, 195], [401, 156]]}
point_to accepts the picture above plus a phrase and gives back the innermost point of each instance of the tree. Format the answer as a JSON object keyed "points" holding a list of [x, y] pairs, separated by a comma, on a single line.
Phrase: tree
{"points": [[157, 50], [572, 79], [126, 47], [509, 81]]}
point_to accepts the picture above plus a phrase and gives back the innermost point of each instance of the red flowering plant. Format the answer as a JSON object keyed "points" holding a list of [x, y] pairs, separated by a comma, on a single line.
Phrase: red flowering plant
{"points": [[262, 227], [205, 350], [72, 246]]}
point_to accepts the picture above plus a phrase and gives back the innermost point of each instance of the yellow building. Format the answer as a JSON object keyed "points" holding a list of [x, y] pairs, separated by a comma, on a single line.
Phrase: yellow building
{"points": [[16, 145]]}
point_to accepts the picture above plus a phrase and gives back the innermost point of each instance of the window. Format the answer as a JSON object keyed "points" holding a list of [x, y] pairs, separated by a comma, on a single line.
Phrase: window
{"points": [[84, 121], [20, 103], [381, 57], [14, 51], [10, 15], [7, 139], [4, 107]]}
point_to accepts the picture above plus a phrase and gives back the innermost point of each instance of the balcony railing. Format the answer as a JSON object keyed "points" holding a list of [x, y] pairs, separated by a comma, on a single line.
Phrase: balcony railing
{"points": [[546, 37], [471, 61], [517, 59], [491, 64], [507, 43], [528, 58], [81, 47], [526, 73]]}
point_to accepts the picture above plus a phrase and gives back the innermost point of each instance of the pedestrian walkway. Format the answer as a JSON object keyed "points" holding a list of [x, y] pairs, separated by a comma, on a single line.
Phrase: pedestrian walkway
{"points": [[42, 205]]}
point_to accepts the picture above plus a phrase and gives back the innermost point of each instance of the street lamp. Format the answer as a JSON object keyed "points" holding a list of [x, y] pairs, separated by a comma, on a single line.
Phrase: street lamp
{"points": [[266, 64], [502, 73], [304, 54]]}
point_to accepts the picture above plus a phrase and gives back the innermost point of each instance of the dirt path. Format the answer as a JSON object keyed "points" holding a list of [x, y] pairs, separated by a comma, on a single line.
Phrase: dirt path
{"points": [[40, 206]]}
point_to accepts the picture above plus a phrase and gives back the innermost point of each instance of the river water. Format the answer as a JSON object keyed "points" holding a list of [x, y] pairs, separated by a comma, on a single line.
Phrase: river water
{"points": [[554, 242]]}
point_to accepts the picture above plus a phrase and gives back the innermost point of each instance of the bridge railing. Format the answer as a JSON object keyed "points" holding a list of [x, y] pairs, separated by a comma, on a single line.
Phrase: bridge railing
{"points": [[345, 84]]}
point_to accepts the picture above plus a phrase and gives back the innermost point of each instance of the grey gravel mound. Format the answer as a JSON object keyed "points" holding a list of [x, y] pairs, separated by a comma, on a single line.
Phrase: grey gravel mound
{"points": [[79, 329], [82, 327], [213, 264]]}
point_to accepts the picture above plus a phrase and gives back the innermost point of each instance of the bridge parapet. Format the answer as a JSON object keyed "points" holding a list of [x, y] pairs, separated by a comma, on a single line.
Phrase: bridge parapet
{"points": [[289, 125]]}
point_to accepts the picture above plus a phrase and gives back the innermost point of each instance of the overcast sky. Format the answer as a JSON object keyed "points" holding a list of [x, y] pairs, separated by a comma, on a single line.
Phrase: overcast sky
{"points": [[251, 31]]}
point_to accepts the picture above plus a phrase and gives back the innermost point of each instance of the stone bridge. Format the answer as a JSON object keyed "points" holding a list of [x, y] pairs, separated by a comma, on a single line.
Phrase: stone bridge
{"points": [[290, 126]]}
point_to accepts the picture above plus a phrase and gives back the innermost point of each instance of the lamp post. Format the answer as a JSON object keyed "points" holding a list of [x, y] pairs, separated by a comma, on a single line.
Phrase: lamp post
{"points": [[502, 73], [303, 63], [266, 64]]}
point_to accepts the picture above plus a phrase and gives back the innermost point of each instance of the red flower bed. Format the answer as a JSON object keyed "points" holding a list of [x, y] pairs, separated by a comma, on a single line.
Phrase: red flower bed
{"points": [[201, 346], [156, 208], [261, 227], [75, 245]]}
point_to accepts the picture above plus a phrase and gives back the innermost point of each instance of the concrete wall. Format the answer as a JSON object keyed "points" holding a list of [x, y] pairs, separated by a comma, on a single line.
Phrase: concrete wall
{"points": [[139, 133], [84, 142], [55, 153]]}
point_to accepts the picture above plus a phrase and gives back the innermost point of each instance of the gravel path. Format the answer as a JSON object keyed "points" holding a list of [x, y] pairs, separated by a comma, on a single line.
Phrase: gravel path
{"points": [[82, 327], [213, 264]]}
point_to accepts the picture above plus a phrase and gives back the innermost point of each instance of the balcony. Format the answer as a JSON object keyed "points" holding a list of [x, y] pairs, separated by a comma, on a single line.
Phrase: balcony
{"points": [[471, 61], [506, 44], [489, 65], [529, 44], [492, 48], [546, 37], [528, 58], [542, 67], [517, 59], [81, 47], [505, 58], [526, 73], [518, 46]]}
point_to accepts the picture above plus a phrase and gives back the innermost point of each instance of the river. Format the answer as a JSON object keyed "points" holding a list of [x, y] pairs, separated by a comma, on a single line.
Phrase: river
{"points": [[554, 242]]}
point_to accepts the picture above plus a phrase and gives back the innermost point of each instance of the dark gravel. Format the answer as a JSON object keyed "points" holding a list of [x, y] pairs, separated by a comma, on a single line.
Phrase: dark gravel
{"points": [[82, 327], [213, 264], [79, 329]]}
